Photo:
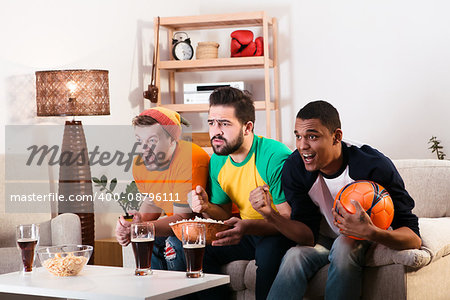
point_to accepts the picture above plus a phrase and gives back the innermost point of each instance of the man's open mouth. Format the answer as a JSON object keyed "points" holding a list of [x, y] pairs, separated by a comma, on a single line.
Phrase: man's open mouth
{"points": [[308, 157]]}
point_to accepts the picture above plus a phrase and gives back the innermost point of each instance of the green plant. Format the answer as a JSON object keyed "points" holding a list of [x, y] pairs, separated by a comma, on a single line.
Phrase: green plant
{"points": [[128, 200], [436, 147]]}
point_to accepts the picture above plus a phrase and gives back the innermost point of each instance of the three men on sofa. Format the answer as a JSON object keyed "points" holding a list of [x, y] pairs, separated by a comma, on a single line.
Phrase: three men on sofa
{"points": [[259, 175]]}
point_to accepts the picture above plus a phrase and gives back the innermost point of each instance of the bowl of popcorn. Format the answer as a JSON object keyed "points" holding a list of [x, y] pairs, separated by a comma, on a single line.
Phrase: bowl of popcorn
{"points": [[65, 260], [212, 227]]}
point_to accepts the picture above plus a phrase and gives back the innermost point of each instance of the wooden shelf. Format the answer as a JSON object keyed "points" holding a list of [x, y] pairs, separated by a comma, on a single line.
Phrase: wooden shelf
{"points": [[259, 105], [207, 22], [214, 21], [229, 63]]}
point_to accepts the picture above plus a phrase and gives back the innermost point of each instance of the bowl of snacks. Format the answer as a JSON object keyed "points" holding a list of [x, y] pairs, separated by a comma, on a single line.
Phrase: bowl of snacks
{"points": [[212, 227], [65, 260]]}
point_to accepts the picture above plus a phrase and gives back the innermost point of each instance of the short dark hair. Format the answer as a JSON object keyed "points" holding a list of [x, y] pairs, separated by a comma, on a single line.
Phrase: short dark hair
{"points": [[143, 121], [242, 101], [322, 110]]}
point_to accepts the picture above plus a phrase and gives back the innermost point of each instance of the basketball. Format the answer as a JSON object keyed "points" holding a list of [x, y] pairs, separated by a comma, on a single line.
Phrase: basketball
{"points": [[374, 199]]}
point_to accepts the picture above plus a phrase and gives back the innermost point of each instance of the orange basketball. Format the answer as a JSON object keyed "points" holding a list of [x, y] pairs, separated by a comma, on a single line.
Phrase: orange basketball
{"points": [[374, 199]]}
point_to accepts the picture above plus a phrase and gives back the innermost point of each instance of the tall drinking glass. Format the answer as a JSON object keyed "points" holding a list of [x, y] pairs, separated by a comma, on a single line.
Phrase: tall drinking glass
{"points": [[27, 237], [194, 242], [142, 239]]}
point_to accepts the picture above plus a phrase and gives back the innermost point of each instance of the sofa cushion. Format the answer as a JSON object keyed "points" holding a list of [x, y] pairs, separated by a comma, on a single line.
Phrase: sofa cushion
{"points": [[10, 260], [13, 261], [427, 180], [435, 234]]}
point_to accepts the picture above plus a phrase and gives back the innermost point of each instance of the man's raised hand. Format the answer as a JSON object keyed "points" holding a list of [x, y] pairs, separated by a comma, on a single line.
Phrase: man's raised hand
{"points": [[200, 201], [260, 200]]}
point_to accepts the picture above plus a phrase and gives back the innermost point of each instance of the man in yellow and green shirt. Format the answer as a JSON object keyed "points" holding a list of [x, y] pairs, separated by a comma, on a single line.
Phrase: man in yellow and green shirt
{"points": [[244, 169]]}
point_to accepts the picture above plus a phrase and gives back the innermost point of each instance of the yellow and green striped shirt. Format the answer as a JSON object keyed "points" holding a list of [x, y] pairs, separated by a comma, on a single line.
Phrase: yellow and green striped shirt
{"points": [[233, 182]]}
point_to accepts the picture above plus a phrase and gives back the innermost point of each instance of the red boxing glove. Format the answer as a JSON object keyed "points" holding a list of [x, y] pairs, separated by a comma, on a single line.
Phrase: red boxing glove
{"points": [[242, 44], [249, 50], [234, 48], [259, 46], [244, 37]]}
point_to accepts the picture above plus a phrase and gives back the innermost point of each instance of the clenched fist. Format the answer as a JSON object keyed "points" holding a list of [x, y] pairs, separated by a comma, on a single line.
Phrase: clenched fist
{"points": [[123, 228], [200, 201], [260, 200]]}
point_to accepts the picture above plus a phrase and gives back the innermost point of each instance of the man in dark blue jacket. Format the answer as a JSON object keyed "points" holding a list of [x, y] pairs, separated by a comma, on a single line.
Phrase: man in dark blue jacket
{"points": [[312, 176]]}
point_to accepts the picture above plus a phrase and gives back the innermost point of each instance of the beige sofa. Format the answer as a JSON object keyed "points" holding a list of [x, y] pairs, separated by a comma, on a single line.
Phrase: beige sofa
{"points": [[63, 229], [408, 274]]}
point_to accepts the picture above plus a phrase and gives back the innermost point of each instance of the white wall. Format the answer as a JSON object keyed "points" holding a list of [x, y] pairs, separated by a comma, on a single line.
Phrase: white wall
{"points": [[383, 64], [87, 34]]}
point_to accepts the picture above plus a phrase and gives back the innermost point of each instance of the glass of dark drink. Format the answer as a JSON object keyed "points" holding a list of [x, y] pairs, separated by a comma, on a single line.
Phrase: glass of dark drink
{"points": [[27, 237], [194, 242], [142, 239]]}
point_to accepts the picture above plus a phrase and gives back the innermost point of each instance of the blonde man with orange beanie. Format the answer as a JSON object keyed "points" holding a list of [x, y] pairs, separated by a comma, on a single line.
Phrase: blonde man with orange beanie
{"points": [[166, 170]]}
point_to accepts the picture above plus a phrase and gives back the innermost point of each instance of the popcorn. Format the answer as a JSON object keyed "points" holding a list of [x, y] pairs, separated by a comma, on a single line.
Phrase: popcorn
{"points": [[65, 266], [197, 219]]}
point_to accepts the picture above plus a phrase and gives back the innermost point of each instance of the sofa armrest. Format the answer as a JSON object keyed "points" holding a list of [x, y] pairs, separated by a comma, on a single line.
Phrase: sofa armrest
{"points": [[435, 233], [66, 229], [45, 233], [380, 255], [237, 271]]}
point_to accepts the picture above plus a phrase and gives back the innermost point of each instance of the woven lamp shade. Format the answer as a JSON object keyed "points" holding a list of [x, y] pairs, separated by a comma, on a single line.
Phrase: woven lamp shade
{"points": [[72, 93]]}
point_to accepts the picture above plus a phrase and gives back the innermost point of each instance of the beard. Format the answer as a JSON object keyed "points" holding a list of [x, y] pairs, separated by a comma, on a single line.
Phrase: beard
{"points": [[227, 148]]}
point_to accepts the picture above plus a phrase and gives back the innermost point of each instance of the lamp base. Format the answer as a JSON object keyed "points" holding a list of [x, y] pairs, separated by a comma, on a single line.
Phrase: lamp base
{"points": [[75, 181]]}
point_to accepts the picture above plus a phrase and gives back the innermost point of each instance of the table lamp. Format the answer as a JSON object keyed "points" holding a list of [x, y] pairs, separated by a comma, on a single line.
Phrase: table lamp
{"points": [[74, 93]]}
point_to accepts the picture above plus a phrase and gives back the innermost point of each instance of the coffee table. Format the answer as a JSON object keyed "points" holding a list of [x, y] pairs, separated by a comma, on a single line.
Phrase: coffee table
{"points": [[100, 282]]}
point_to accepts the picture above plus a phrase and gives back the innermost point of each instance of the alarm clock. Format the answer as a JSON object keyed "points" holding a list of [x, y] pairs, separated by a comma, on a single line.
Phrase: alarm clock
{"points": [[181, 46]]}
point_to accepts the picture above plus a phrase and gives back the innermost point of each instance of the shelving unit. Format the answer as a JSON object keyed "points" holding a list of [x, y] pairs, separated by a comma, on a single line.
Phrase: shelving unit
{"points": [[242, 20]]}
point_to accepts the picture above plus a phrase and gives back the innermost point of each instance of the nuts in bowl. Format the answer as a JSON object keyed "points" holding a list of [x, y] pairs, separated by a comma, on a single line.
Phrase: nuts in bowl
{"points": [[212, 227], [65, 260]]}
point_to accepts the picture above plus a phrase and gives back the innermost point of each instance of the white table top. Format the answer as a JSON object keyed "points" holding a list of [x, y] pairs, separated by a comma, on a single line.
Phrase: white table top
{"points": [[99, 282]]}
